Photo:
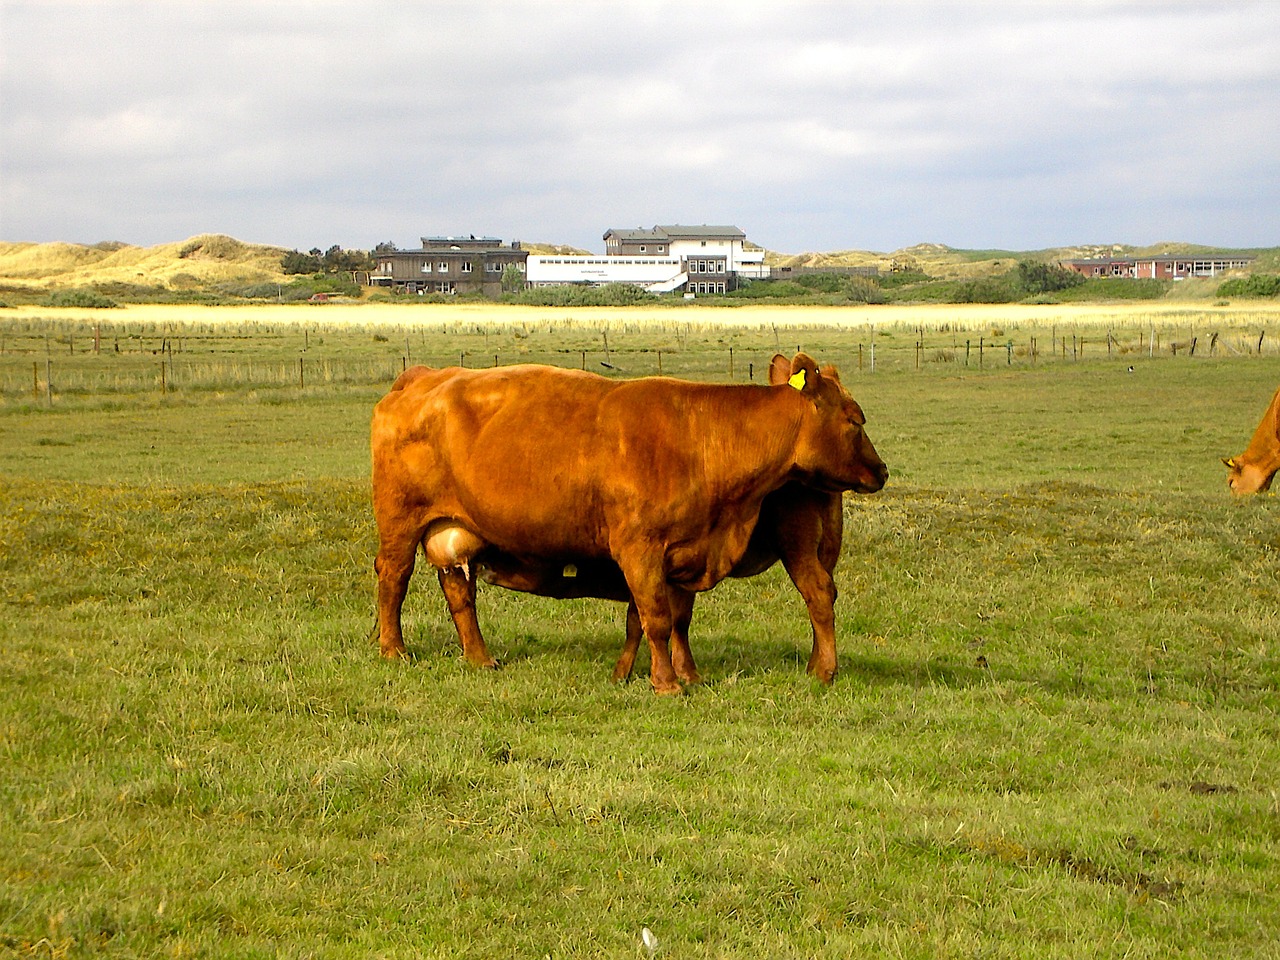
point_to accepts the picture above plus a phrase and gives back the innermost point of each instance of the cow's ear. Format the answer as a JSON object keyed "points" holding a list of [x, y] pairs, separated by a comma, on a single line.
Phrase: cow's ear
{"points": [[779, 370], [803, 363]]}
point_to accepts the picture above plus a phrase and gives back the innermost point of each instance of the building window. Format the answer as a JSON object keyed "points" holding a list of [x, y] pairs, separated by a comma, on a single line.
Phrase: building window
{"points": [[442, 267], [466, 266]]}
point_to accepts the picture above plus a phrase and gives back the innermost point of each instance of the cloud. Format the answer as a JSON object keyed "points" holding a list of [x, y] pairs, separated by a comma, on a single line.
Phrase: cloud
{"points": [[819, 126]]}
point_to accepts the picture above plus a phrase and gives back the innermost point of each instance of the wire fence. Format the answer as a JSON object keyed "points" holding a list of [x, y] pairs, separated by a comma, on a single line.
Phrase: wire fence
{"points": [[44, 361]]}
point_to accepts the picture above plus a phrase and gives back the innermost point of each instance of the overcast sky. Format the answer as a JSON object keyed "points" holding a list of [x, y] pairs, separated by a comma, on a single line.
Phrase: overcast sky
{"points": [[810, 125]]}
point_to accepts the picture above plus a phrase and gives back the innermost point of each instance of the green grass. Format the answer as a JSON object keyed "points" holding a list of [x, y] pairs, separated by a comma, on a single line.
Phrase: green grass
{"points": [[1054, 733]]}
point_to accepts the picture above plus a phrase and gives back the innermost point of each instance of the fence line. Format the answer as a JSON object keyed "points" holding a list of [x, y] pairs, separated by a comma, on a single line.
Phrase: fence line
{"points": [[167, 365]]}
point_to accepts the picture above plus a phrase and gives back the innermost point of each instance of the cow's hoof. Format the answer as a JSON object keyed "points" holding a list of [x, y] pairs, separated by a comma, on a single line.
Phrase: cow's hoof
{"points": [[667, 690], [693, 679], [394, 653], [824, 675]]}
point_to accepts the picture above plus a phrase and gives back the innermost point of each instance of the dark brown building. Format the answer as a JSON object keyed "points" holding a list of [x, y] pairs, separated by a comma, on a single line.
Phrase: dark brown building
{"points": [[448, 265]]}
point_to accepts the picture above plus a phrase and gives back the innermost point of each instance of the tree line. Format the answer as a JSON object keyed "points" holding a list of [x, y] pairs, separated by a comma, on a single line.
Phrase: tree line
{"points": [[332, 261]]}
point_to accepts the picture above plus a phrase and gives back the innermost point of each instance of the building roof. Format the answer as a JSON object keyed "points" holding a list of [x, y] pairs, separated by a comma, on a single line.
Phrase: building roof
{"points": [[1166, 257], [678, 232]]}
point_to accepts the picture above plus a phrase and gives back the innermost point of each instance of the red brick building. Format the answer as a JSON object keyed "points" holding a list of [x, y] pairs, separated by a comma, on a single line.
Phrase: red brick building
{"points": [[1163, 267]]}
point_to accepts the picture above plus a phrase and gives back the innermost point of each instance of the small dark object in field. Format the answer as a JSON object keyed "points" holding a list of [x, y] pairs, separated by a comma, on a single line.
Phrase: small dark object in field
{"points": [[1201, 788]]}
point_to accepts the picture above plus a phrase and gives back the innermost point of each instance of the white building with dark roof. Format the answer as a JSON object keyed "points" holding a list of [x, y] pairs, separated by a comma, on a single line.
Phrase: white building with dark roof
{"points": [[702, 259]]}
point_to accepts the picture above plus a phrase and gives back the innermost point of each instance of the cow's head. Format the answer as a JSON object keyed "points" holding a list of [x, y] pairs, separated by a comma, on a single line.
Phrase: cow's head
{"points": [[1245, 476], [833, 452]]}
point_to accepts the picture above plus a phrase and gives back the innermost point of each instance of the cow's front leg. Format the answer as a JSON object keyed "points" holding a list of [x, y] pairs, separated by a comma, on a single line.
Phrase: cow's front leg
{"points": [[681, 602], [459, 588], [649, 592], [818, 588]]}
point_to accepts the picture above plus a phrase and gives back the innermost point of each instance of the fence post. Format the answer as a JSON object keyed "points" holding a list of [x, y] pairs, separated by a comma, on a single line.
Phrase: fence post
{"points": [[731, 363], [48, 381], [981, 349], [1260, 336], [35, 380], [164, 386], [659, 363], [302, 383]]}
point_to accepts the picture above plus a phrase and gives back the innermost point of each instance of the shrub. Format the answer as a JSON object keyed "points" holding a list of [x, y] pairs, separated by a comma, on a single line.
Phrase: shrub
{"points": [[584, 295], [769, 290], [986, 290], [1257, 285], [901, 278], [1032, 277], [1116, 288], [843, 287], [79, 297]]}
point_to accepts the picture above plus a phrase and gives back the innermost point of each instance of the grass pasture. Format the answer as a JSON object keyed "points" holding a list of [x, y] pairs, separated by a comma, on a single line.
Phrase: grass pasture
{"points": [[1054, 733]]}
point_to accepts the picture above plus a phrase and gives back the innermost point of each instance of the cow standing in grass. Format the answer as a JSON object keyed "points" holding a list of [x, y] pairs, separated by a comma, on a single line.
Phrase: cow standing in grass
{"points": [[1253, 470], [533, 468]]}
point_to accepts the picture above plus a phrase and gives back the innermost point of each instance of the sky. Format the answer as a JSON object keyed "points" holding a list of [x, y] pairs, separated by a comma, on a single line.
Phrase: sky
{"points": [[811, 126]]}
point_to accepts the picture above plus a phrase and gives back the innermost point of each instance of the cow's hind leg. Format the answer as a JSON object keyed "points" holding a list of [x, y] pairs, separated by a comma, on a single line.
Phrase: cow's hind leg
{"points": [[394, 567], [459, 588]]}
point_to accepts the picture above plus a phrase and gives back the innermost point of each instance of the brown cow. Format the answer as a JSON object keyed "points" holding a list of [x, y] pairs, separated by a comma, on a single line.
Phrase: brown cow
{"points": [[798, 525], [524, 467], [1253, 470], [801, 527]]}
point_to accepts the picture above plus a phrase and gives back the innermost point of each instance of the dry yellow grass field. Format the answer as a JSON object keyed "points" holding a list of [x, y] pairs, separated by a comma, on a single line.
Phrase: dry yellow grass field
{"points": [[976, 317]]}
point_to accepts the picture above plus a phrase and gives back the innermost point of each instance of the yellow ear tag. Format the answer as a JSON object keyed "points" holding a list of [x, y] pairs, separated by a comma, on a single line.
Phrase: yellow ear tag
{"points": [[797, 380]]}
